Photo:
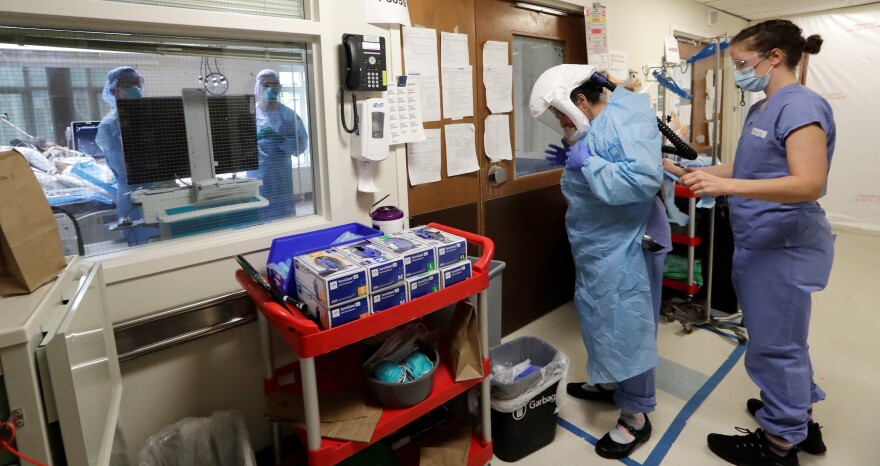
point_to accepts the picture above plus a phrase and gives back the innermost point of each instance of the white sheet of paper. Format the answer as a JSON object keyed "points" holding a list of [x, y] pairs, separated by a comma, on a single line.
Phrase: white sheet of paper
{"points": [[494, 55], [671, 46], [429, 96], [496, 140], [684, 114], [404, 113], [618, 67], [386, 12], [458, 92], [420, 50], [461, 151], [499, 88], [454, 51], [423, 159]]}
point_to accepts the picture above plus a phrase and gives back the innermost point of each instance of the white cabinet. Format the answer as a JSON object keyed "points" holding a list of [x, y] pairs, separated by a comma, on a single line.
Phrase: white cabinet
{"points": [[60, 369]]}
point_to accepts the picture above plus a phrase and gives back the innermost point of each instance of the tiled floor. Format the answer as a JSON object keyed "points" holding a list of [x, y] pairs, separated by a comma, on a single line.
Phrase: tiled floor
{"points": [[703, 386]]}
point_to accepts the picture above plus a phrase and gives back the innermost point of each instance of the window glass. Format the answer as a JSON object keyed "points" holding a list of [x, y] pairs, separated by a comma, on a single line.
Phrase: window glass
{"points": [[531, 57], [184, 142]]}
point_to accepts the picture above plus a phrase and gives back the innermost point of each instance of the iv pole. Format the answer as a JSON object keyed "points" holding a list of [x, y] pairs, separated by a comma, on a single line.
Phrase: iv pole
{"points": [[696, 314]]}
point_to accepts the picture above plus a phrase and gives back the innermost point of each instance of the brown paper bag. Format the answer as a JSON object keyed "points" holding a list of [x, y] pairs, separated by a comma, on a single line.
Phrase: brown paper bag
{"points": [[344, 415], [30, 244], [448, 447], [465, 352]]}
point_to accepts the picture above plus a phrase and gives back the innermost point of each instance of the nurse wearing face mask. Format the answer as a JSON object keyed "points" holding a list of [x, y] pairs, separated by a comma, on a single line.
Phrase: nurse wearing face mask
{"points": [[122, 83], [783, 242], [280, 134]]}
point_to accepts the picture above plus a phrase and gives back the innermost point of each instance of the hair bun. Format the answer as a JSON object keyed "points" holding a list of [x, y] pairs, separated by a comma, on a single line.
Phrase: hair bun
{"points": [[814, 44]]}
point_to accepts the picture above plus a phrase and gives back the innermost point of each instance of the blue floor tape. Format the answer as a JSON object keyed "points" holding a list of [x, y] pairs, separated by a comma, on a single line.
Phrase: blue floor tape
{"points": [[662, 448]]}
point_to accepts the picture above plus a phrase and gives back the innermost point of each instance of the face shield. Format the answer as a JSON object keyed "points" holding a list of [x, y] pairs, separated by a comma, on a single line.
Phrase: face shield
{"points": [[551, 103], [267, 87]]}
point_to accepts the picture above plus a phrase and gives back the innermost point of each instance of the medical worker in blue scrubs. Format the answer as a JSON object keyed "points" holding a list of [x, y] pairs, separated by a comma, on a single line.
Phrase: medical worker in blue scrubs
{"points": [[611, 181], [123, 83], [280, 135], [783, 243]]}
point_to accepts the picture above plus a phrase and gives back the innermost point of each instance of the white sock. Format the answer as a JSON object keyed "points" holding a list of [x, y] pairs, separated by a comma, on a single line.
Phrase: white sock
{"points": [[620, 434]]}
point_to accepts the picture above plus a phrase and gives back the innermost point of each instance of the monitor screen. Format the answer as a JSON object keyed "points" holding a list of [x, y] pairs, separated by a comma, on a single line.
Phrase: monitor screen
{"points": [[155, 143], [84, 133], [233, 133], [153, 139]]}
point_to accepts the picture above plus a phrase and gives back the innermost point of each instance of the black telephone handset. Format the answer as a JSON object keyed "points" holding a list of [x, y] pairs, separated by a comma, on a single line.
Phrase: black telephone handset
{"points": [[364, 63]]}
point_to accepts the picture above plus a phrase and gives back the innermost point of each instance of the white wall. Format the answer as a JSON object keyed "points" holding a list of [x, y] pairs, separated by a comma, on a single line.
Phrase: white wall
{"points": [[844, 72], [222, 371]]}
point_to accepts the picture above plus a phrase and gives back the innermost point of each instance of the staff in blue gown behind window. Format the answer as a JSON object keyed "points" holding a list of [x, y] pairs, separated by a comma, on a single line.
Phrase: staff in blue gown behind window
{"points": [[122, 83], [280, 135]]}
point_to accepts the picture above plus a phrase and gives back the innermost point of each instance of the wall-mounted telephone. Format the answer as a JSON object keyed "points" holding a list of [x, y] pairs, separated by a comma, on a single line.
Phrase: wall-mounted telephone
{"points": [[364, 63]]}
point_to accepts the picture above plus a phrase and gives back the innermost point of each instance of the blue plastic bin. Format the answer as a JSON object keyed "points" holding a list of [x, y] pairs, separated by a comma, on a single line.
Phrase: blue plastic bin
{"points": [[284, 249]]}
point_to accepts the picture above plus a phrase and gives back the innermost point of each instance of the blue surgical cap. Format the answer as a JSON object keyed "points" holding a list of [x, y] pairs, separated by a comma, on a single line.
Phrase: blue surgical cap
{"points": [[112, 83], [262, 75]]}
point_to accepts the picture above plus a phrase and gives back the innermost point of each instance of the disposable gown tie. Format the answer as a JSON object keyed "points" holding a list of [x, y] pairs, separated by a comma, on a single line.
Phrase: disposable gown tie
{"points": [[609, 203]]}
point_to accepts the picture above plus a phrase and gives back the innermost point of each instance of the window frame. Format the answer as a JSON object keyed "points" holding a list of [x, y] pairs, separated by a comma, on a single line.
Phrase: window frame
{"points": [[181, 253]]}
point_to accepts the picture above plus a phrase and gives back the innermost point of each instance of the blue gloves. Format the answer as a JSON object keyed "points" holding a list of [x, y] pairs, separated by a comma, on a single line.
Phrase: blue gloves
{"points": [[577, 155], [557, 155]]}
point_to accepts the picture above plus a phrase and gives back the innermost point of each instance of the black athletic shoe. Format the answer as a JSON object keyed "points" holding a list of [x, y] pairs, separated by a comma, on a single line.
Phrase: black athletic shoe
{"points": [[813, 444], [576, 390], [608, 448], [752, 449]]}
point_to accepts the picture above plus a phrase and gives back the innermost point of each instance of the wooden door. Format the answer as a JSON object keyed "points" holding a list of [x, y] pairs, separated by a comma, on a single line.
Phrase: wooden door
{"points": [[525, 215]]}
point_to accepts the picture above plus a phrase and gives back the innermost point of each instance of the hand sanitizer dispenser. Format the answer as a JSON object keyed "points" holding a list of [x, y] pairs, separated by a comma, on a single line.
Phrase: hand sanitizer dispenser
{"points": [[370, 143]]}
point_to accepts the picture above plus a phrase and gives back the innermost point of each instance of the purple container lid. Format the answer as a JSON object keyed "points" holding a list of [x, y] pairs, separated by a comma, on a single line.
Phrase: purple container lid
{"points": [[387, 213]]}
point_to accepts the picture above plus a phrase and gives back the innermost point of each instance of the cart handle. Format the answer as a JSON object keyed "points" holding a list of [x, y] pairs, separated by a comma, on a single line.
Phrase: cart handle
{"points": [[482, 265], [286, 316]]}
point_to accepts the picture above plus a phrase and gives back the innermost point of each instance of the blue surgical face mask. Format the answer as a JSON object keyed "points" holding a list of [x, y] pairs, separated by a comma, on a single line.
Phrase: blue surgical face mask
{"points": [[749, 80], [270, 94], [133, 93]]}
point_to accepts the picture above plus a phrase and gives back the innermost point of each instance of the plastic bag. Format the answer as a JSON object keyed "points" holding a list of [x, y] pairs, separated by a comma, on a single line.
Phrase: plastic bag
{"points": [[508, 397], [218, 440]]}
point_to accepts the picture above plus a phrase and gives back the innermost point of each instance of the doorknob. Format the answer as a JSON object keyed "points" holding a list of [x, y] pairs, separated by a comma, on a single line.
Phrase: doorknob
{"points": [[497, 175]]}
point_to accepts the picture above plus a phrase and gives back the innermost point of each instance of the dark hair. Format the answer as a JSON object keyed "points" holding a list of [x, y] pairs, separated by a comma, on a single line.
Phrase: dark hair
{"points": [[589, 89], [779, 34]]}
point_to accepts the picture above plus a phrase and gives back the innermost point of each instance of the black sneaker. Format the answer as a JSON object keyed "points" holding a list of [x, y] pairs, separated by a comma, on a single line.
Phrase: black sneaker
{"points": [[813, 444], [576, 389], [606, 447], [752, 449]]}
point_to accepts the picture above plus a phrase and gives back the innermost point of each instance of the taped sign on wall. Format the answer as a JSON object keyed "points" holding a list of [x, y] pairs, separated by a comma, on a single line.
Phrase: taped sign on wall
{"points": [[386, 12]]}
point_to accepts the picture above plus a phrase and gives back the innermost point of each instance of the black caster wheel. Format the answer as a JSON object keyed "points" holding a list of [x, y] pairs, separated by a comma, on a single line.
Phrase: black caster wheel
{"points": [[688, 329]]}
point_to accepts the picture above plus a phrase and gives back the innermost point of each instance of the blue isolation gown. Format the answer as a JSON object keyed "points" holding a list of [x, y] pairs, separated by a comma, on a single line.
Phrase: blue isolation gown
{"points": [[609, 204]]}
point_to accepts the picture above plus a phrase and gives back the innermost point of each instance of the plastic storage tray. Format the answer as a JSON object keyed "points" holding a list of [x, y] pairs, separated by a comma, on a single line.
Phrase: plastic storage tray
{"points": [[304, 243]]}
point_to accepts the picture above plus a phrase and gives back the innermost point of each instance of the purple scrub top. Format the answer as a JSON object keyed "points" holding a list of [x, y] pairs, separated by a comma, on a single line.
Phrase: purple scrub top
{"points": [[761, 154]]}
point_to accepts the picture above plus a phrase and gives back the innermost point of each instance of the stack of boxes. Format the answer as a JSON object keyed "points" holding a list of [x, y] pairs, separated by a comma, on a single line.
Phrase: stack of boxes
{"points": [[333, 287], [344, 283]]}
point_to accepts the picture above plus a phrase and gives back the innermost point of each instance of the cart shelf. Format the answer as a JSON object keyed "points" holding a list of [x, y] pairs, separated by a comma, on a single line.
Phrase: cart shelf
{"points": [[308, 340], [684, 191], [443, 389], [686, 240], [681, 285]]}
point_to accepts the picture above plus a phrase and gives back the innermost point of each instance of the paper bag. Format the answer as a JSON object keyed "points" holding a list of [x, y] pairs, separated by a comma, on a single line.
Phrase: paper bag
{"points": [[30, 244], [465, 352], [447, 447], [344, 415]]}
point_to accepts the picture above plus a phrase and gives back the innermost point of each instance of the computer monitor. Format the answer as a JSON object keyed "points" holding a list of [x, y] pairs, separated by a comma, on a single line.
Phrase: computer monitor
{"points": [[154, 138], [84, 133], [233, 133]]}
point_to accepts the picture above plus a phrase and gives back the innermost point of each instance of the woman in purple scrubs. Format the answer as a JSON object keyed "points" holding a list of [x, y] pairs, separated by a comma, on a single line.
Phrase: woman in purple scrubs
{"points": [[783, 243]]}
